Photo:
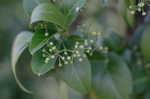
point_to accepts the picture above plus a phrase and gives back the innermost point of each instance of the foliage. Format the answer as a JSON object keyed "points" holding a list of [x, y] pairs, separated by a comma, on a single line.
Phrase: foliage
{"points": [[98, 61]]}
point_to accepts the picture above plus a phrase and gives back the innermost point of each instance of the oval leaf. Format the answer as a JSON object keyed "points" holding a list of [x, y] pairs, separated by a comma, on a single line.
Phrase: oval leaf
{"points": [[112, 81], [74, 10], [70, 8], [20, 44], [37, 42], [49, 13], [39, 67], [77, 75]]}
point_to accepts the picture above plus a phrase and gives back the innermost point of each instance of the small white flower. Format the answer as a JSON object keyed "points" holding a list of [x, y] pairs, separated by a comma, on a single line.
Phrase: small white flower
{"points": [[52, 56], [88, 51], [51, 43], [76, 46], [90, 48], [132, 12], [65, 53], [86, 42], [63, 58], [68, 57], [50, 50], [66, 62], [92, 41], [80, 59], [47, 60], [143, 13], [43, 55], [81, 46], [77, 52], [74, 55], [130, 7], [139, 9], [46, 34], [141, 4], [101, 47], [54, 47], [77, 9], [60, 65]]}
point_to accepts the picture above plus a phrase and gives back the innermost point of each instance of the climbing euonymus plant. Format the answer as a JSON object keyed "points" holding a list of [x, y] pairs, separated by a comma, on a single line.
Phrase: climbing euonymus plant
{"points": [[89, 61]]}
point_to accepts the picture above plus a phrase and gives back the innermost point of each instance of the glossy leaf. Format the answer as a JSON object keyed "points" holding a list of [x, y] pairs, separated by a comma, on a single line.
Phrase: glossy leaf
{"points": [[77, 75], [114, 42], [48, 12], [74, 10], [70, 8], [113, 80], [38, 41], [20, 44], [39, 67]]}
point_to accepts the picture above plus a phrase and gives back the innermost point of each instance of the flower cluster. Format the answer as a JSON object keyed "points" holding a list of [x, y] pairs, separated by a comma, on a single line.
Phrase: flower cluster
{"points": [[139, 7], [66, 56]]}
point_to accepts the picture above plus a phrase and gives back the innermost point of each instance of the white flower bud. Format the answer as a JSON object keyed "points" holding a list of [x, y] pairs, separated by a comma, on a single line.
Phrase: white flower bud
{"points": [[60, 65], [66, 62], [80, 59], [86, 42], [77, 9], [77, 52], [46, 34], [76, 46], [54, 47], [51, 43], [68, 57], [65, 53], [132, 12], [143, 13], [92, 41], [52, 56], [50, 50], [63, 58], [81, 46]]}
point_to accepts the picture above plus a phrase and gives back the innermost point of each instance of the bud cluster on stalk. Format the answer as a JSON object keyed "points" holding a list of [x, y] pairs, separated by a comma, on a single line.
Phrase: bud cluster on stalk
{"points": [[139, 7], [66, 56]]}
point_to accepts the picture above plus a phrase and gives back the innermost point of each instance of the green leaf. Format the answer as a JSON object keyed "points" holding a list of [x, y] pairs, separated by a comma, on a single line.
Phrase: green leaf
{"points": [[29, 5], [38, 41], [114, 42], [20, 44], [145, 48], [48, 12], [74, 10], [71, 8], [39, 67], [112, 80], [77, 75]]}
